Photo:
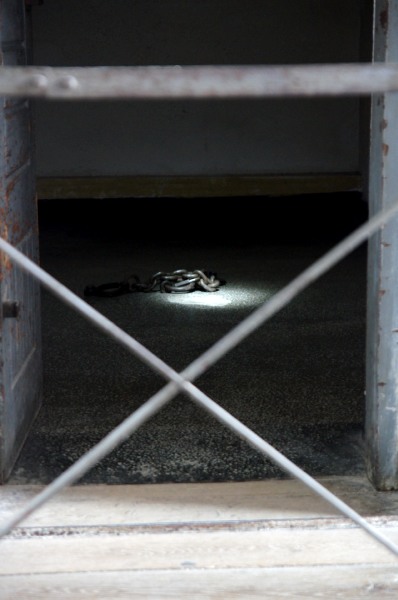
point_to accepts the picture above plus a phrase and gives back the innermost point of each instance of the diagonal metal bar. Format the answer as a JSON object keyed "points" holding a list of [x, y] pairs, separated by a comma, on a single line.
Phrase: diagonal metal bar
{"points": [[180, 383], [200, 81]]}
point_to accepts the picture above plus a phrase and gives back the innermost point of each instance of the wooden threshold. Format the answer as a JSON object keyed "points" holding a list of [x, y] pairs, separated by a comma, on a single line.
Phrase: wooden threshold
{"points": [[260, 539], [195, 186]]}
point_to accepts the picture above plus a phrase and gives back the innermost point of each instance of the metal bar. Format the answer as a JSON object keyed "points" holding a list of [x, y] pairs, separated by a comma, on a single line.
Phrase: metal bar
{"points": [[120, 433], [381, 422], [168, 82]]}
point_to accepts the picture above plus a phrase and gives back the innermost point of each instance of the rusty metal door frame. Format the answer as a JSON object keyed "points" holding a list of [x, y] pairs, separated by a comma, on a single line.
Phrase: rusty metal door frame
{"points": [[20, 335], [379, 79], [381, 426]]}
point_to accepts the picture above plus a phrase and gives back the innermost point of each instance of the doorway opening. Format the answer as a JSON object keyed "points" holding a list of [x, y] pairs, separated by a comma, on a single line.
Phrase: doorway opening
{"points": [[298, 381]]}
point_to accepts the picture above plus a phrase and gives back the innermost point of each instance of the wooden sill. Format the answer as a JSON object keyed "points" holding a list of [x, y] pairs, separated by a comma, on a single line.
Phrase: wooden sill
{"points": [[195, 186], [260, 539]]}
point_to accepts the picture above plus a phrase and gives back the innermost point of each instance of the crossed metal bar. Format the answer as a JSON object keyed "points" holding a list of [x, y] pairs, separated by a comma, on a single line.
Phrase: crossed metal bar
{"points": [[182, 382]]}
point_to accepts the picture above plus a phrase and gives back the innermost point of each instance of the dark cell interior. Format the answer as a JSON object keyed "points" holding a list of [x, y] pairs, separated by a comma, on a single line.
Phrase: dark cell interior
{"points": [[298, 381]]}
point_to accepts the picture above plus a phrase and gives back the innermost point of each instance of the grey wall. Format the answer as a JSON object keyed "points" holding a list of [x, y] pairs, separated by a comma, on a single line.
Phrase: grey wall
{"points": [[196, 137]]}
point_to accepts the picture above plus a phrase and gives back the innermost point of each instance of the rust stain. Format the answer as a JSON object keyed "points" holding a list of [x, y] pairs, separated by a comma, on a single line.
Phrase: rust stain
{"points": [[19, 333], [381, 384], [16, 229], [5, 261], [5, 265], [383, 124], [385, 244], [3, 216], [10, 187], [384, 19], [382, 292], [385, 149]]}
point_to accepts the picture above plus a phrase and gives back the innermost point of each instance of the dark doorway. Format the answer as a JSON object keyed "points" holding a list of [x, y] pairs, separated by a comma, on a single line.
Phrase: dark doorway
{"points": [[298, 381]]}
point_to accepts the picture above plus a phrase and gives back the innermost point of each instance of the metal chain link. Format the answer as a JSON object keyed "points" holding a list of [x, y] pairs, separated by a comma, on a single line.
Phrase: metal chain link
{"points": [[175, 282]]}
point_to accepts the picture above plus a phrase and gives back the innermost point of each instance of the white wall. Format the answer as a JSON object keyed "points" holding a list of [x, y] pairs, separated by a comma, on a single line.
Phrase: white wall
{"points": [[196, 137]]}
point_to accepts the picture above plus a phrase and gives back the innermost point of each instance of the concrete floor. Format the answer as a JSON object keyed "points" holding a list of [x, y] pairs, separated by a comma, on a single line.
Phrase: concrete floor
{"points": [[298, 381]]}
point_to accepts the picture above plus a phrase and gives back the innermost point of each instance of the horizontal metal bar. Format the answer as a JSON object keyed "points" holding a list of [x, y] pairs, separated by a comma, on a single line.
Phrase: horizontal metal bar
{"points": [[180, 381], [168, 82]]}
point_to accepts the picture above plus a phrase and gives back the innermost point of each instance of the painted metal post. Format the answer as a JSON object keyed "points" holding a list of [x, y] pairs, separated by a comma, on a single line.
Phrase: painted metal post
{"points": [[20, 331], [381, 427]]}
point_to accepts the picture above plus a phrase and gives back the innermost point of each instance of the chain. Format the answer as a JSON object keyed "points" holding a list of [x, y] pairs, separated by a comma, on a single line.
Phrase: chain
{"points": [[176, 282]]}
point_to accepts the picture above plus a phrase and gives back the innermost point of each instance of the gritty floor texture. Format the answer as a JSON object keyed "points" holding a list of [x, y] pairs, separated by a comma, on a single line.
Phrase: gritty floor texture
{"points": [[298, 381]]}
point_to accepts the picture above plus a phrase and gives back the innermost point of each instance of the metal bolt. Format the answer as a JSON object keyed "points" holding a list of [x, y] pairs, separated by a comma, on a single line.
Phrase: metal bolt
{"points": [[68, 82], [39, 82]]}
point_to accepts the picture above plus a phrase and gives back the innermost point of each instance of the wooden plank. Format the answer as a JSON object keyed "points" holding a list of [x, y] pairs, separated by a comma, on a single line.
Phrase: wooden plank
{"points": [[262, 548], [255, 539], [216, 584], [103, 505], [195, 186]]}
